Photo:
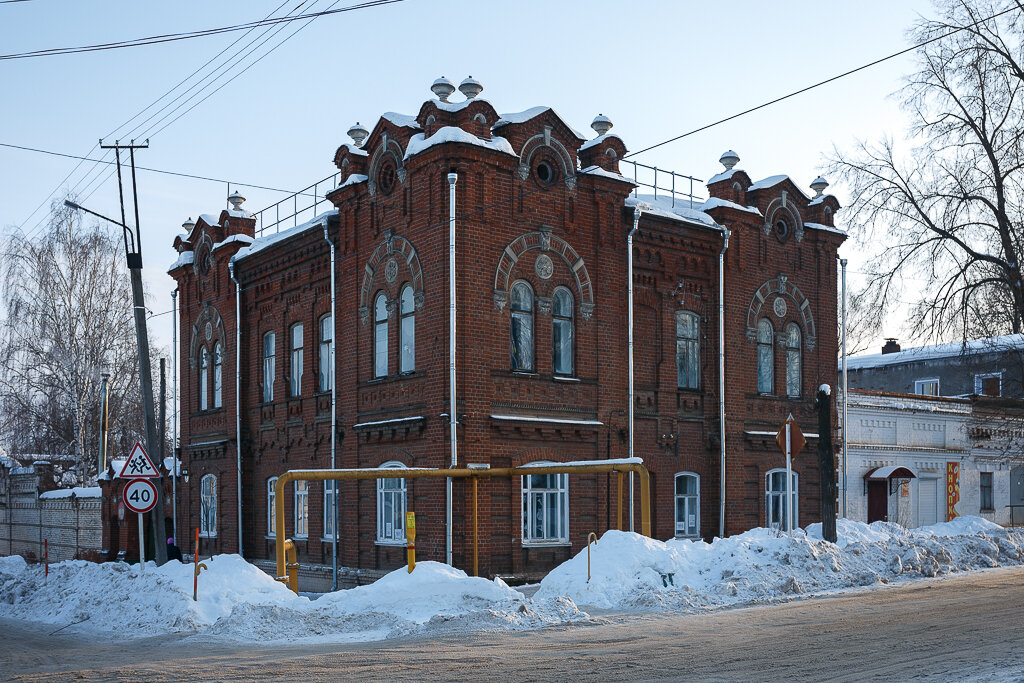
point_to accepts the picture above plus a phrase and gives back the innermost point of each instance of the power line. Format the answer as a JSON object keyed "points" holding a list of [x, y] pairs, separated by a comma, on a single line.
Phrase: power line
{"points": [[170, 37]]}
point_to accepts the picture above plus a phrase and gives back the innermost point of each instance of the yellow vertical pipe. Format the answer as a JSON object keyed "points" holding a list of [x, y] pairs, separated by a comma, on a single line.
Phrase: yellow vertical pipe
{"points": [[279, 532], [476, 534], [619, 525], [645, 502]]}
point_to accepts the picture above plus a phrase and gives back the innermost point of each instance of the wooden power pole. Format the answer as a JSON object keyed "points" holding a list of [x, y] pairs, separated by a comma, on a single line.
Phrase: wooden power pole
{"points": [[826, 464]]}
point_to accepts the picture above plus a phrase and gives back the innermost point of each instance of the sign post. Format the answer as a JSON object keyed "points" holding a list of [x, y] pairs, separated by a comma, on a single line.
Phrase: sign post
{"points": [[792, 441], [139, 494]]}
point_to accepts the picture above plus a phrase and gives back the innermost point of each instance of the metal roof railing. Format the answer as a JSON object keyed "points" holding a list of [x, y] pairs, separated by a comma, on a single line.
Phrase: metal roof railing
{"points": [[674, 186], [303, 204]]}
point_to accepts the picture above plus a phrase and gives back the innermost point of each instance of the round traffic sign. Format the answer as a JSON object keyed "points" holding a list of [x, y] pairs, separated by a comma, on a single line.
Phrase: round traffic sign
{"points": [[139, 495]]}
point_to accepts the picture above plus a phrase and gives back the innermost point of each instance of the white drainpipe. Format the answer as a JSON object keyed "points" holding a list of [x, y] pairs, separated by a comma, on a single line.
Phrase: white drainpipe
{"points": [[452, 414], [632, 401], [334, 419], [238, 396], [721, 379], [846, 388], [174, 413]]}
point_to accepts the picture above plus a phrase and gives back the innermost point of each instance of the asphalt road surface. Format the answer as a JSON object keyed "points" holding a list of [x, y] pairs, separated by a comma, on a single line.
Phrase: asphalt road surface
{"points": [[965, 627]]}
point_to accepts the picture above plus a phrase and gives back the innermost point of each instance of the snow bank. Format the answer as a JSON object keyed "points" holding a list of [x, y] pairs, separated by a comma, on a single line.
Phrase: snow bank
{"points": [[238, 601], [631, 571]]}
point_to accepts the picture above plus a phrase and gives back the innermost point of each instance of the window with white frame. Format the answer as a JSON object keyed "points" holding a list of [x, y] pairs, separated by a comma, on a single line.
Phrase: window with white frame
{"points": [[325, 379], [218, 375], [545, 508], [407, 330], [793, 360], [301, 509], [765, 357], [269, 344], [521, 331], [687, 350], [687, 505], [380, 336], [271, 507], [775, 499], [208, 506], [927, 387], [989, 384], [562, 332], [330, 496], [295, 384], [204, 379], [391, 505]]}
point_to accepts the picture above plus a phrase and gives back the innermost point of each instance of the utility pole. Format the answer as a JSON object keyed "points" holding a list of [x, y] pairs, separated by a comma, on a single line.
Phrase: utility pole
{"points": [[826, 463], [133, 252]]}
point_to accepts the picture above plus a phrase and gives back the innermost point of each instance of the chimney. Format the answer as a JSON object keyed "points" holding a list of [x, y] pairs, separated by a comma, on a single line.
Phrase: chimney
{"points": [[890, 346]]}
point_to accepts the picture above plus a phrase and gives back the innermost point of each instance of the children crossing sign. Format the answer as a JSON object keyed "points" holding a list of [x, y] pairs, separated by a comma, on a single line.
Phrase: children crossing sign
{"points": [[138, 465]]}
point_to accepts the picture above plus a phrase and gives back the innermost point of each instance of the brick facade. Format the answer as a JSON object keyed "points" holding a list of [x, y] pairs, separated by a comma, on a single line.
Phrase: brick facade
{"points": [[525, 215]]}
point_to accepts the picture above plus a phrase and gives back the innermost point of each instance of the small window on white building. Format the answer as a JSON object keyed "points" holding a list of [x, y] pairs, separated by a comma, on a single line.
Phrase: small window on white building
{"points": [[545, 508], [687, 505], [391, 503], [927, 387], [302, 509], [775, 499], [208, 506]]}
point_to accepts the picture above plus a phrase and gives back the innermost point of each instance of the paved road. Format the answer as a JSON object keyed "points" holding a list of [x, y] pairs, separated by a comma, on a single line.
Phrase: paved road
{"points": [[966, 627]]}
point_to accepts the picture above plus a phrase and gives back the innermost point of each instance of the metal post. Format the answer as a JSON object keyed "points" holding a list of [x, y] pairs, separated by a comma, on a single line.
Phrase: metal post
{"points": [[629, 315], [174, 413], [334, 418], [104, 423], [721, 382], [846, 387], [789, 478], [142, 545], [452, 312], [476, 534]]}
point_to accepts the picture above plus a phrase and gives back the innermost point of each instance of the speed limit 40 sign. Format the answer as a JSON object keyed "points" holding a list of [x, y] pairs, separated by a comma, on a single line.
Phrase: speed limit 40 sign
{"points": [[139, 495]]}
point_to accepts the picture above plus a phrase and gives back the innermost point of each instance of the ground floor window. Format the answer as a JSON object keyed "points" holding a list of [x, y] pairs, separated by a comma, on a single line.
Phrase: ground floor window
{"points": [[687, 505], [775, 499], [271, 507], [301, 509], [546, 508], [391, 504], [986, 492], [330, 489]]}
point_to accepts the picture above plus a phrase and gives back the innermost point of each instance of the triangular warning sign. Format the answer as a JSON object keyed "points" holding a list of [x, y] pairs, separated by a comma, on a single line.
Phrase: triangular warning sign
{"points": [[138, 465]]}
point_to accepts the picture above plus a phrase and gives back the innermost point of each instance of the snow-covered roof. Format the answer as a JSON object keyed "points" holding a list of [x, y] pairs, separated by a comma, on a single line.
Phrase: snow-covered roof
{"points": [[185, 258], [770, 181], [210, 219], [819, 200], [1004, 343], [724, 175], [77, 492], [261, 243], [400, 120], [715, 203], [598, 140], [238, 237], [826, 228], [117, 464], [597, 170], [353, 179], [454, 134], [458, 106], [169, 465], [240, 213], [352, 149], [533, 112], [682, 211]]}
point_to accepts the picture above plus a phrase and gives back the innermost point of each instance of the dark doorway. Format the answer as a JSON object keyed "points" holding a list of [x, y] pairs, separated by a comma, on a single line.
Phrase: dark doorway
{"points": [[878, 501]]}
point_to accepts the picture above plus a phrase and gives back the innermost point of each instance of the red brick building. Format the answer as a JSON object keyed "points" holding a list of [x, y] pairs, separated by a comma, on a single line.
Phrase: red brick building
{"points": [[542, 294]]}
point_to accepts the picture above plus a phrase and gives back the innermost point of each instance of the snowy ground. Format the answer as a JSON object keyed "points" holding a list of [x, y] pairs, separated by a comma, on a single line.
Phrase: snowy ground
{"points": [[239, 602]]}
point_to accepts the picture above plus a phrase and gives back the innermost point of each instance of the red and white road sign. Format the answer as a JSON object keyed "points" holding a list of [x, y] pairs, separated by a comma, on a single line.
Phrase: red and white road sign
{"points": [[138, 465], [139, 495], [796, 437]]}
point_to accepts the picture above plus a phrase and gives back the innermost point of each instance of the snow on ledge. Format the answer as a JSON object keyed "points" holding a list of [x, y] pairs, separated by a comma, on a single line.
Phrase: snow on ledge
{"points": [[396, 420], [662, 206], [584, 463], [261, 243], [825, 228], [400, 120], [751, 432], [77, 492], [598, 140], [353, 179], [770, 181], [597, 170], [239, 237], [446, 134], [725, 175], [715, 203], [556, 420], [185, 258]]}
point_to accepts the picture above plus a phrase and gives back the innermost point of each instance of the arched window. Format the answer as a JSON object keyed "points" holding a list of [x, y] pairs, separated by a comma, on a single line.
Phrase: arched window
{"points": [[687, 505], [765, 357], [793, 364], [687, 350], [271, 507], [295, 383], [775, 499], [301, 509], [380, 336], [204, 379], [407, 330], [326, 375], [218, 375], [545, 508], [208, 506], [521, 305], [269, 349], [562, 332], [391, 505]]}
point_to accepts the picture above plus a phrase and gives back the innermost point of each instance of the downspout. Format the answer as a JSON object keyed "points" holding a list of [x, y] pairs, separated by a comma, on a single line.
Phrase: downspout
{"points": [[238, 396], [629, 307], [334, 421], [174, 412], [452, 414], [843, 262], [721, 381]]}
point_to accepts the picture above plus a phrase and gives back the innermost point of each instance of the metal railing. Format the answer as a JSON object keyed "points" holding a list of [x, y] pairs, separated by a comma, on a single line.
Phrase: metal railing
{"points": [[304, 203], [674, 186]]}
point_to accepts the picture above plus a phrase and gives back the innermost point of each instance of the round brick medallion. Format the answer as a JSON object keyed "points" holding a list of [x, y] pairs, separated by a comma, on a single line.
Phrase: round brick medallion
{"points": [[544, 267], [779, 306]]}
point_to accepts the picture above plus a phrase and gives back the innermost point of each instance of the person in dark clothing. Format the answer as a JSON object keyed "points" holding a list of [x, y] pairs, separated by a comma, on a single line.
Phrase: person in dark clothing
{"points": [[173, 552]]}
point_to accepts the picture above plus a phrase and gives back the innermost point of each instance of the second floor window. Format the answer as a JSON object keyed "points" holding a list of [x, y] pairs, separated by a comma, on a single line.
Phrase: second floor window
{"points": [[765, 357], [326, 377], [295, 385], [407, 331], [204, 379], [562, 332], [793, 363], [380, 336], [521, 332], [269, 342], [218, 375], [687, 350]]}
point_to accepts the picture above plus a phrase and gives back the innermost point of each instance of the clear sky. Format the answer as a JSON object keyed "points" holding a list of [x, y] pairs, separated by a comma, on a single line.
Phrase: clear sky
{"points": [[657, 69]]}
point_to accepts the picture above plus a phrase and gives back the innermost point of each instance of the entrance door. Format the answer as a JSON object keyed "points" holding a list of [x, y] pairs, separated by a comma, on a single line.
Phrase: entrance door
{"points": [[927, 505], [878, 501]]}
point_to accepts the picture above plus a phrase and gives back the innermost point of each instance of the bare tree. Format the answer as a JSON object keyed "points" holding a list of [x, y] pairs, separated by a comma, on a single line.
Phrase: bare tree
{"points": [[68, 318], [946, 215]]}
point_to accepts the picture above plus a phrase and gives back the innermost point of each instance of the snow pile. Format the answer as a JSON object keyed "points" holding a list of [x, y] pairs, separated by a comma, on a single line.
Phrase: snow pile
{"points": [[631, 571], [238, 601]]}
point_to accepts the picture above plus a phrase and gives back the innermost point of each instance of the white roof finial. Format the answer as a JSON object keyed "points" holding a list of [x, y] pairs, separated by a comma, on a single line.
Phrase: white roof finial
{"points": [[236, 200], [442, 87], [601, 124], [818, 185], [470, 88], [358, 134], [729, 159]]}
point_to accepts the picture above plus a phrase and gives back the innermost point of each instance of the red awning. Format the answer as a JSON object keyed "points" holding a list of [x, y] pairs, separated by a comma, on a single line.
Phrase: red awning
{"points": [[890, 472]]}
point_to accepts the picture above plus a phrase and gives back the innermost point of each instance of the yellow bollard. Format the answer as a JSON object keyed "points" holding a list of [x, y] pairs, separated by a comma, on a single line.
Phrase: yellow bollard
{"points": [[292, 565], [410, 537]]}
